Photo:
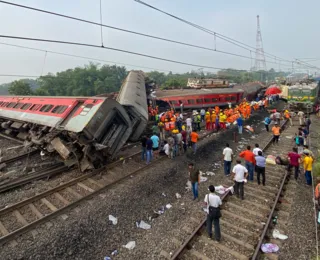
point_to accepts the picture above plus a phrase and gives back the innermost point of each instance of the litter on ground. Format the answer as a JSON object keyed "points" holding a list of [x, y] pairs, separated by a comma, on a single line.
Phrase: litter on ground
{"points": [[113, 219], [130, 245], [276, 234], [178, 196], [168, 206], [269, 248], [143, 225]]}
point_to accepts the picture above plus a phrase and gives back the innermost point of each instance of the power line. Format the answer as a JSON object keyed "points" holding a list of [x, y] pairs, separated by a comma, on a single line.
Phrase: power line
{"points": [[221, 36], [133, 32], [112, 49]]}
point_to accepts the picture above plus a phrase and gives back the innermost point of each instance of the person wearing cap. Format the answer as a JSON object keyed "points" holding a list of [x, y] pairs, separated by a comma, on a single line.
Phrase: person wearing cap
{"points": [[276, 133], [307, 166], [208, 121], [239, 175], [213, 203]]}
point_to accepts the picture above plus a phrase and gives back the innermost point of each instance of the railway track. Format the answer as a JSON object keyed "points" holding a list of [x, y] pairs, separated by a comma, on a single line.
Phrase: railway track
{"points": [[26, 215], [20, 157], [246, 225]]}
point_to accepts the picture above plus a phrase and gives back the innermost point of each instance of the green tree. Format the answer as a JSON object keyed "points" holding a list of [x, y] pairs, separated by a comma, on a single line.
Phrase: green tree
{"points": [[19, 87]]}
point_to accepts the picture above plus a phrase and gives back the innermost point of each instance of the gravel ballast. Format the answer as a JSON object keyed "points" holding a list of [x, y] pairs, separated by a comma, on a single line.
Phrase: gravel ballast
{"points": [[88, 234]]}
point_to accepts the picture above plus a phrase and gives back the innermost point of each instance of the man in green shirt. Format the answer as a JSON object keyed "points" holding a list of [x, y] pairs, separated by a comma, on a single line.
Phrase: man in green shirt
{"points": [[194, 175]]}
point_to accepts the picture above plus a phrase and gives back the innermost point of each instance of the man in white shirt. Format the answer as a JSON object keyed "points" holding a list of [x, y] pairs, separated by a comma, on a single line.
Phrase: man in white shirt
{"points": [[213, 203], [256, 150], [227, 159], [239, 175], [301, 117], [166, 148], [189, 123]]}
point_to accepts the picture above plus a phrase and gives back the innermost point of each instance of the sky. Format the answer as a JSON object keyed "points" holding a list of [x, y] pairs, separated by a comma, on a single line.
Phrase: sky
{"points": [[289, 31]]}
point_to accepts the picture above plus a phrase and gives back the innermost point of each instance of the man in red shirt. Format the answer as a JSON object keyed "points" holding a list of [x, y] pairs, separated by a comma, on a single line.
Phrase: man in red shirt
{"points": [[250, 160], [294, 159]]}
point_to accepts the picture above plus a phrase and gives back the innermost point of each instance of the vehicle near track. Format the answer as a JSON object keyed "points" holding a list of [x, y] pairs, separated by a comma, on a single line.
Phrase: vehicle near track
{"points": [[90, 130], [207, 83], [303, 96], [198, 98]]}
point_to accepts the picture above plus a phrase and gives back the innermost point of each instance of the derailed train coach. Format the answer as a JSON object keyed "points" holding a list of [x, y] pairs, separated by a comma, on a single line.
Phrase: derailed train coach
{"points": [[90, 130]]}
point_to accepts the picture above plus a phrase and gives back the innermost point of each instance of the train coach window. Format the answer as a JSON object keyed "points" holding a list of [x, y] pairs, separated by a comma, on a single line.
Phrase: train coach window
{"points": [[199, 101], [86, 109], [4, 104], [18, 105], [46, 108], [191, 101], [215, 99], [59, 109], [11, 104], [25, 106], [227, 98], [35, 107], [233, 98], [207, 100]]}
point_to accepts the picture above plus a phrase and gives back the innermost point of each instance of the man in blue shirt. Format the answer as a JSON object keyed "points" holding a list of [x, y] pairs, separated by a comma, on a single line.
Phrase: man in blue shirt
{"points": [[240, 124], [261, 168], [267, 122], [149, 145], [155, 145]]}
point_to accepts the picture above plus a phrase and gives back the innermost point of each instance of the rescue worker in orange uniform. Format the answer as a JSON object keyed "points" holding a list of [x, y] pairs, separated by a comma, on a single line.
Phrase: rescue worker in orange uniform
{"points": [[208, 121], [213, 120]]}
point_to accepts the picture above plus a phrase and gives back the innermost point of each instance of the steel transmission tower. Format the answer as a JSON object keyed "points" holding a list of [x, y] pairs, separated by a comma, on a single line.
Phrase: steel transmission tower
{"points": [[260, 61]]}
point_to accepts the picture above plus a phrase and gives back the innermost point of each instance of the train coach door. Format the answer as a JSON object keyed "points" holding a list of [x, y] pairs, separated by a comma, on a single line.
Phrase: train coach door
{"points": [[71, 113]]}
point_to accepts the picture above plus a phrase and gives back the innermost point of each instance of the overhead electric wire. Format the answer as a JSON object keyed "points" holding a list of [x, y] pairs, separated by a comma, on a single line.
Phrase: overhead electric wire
{"points": [[112, 49], [133, 32], [221, 36]]}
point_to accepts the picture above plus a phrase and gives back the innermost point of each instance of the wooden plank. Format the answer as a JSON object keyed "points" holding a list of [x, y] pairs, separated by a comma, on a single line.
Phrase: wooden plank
{"points": [[226, 249], [241, 208], [95, 183], [198, 255], [239, 229], [3, 230], [233, 215], [35, 210], [237, 241], [49, 204], [20, 218], [62, 199], [74, 193], [80, 184]]}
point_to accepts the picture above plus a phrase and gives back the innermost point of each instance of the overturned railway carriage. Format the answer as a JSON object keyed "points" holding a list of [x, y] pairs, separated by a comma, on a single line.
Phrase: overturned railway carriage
{"points": [[198, 98], [89, 129], [133, 97], [303, 96]]}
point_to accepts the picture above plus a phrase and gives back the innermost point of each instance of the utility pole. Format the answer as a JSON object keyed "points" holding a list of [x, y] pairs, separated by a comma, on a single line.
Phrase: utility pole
{"points": [[260, 61]]}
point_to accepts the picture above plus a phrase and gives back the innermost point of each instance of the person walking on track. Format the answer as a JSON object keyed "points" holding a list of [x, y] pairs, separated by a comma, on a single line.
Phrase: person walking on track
{"points": [[261, 168], [239, 175], [248, 156], [307, 166], [294, 160], [194, 175], [227, 159], [276, 130], [267, 122], [213, 203]]}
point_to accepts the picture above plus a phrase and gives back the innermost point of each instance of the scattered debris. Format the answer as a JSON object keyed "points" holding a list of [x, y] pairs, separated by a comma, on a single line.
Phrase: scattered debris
{"points": [[210, 173], [178, 196], [276, 234], [168, 206], [114, 252], [130, 245], [188, 186], [113, 219], [269, 248], [203, 179], [163, 194], [143, 225], [107, 258]]}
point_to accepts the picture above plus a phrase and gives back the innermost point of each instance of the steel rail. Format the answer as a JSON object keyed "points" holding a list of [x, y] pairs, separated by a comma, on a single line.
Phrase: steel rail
{"points": [[223, 198], [43, 173], [44, 219], [19, 157]]}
